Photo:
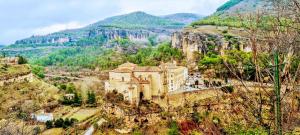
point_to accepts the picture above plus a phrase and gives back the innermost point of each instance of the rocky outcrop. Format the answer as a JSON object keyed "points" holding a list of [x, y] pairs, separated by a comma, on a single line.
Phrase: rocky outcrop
{"points": [[114, 33], [193, 41], [108, 33]]}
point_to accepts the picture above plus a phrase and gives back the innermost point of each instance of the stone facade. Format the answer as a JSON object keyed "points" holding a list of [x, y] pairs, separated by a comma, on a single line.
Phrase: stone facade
{"points": [[145, 83]]}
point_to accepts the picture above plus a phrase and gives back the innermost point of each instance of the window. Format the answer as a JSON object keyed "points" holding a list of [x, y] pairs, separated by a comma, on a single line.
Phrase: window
{"points": [[123, 79]]}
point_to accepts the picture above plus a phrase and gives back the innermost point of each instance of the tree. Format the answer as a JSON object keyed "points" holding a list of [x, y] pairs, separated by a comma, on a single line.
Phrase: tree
{"points": [[71, 88], [59, 123], [77, 99], [91, 97], [49, 124], [21, 60]]}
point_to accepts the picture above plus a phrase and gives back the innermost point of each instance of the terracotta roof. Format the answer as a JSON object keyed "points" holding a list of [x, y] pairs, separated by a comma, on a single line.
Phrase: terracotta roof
{"points": [[128, 65], [147, 69], [122, 70]]}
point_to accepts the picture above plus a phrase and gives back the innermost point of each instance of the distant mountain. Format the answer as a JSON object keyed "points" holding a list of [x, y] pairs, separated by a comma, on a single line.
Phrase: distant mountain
{"points": [[228, 13], [185, 18], [137, 26], [138, 20], [242, 6]]}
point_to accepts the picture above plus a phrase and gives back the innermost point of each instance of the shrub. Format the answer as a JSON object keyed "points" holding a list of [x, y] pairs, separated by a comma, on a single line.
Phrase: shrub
{"points": [[187, 126], [49, 124], [38, 71], [59, 123], [196, 117], [91, 97], [227, 89], [22, 60], [173, 128]]}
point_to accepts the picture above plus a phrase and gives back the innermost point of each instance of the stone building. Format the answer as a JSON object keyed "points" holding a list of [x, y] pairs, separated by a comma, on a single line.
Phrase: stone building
{"points": [[146, 83]]}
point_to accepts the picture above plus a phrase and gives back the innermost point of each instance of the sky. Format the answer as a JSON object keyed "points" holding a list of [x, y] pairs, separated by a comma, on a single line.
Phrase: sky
{"points": [[23, 18]]}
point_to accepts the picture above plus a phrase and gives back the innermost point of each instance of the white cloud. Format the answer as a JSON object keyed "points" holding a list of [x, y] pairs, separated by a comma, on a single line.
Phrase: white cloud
{"points": [[57, 27]]}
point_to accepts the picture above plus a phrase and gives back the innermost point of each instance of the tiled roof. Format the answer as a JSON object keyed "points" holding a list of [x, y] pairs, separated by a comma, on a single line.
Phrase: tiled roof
{"points": [[122, 70], [127, 64], [147, 69]]}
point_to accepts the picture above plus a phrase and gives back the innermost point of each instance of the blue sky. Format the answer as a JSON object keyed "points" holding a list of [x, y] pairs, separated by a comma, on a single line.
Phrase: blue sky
{"points": [[24, 18]]}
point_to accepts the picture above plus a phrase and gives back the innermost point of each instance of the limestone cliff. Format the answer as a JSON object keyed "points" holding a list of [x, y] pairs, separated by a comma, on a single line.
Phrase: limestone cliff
{"points": [[136, 26], [193, 41]]}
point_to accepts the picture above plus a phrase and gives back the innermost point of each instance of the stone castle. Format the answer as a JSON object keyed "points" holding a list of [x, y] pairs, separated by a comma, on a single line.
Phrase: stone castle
{"points": [[146, 83]]}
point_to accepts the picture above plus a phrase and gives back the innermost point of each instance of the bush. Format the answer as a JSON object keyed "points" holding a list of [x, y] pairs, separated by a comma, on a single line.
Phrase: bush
{"points": [[22, 60], [49, 124], [59, 123], [91, 97], [196, 117], [227, 89], [38, 71], [187, 126], [173, 128]]}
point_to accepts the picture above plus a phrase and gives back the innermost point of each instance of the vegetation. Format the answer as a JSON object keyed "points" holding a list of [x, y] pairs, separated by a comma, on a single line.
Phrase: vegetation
{"points": [[77, 56], [174, 129], [91, 99], [75, 98], [22, 60], [38, 71], [92, 57], [153, 56], [61, 123], [228, 5]]}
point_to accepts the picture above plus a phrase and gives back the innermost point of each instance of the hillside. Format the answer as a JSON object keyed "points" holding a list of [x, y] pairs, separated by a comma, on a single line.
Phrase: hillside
{"points": [[136, 26], [233, 7], [229, 13], [138, 20], [185, 18], [17, 87]]}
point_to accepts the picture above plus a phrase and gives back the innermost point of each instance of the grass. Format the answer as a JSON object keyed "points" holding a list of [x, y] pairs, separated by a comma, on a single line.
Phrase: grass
{"points": [[54, 131], [84, 114], [13, 70]]}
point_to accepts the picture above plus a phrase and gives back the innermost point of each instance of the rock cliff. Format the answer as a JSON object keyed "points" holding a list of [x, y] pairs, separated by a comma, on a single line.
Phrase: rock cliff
{"points": [[199, 40], [136, 26]]}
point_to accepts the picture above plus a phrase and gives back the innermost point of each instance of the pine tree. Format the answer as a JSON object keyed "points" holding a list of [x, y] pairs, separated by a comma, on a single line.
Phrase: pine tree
{"points": [[77, 99], [91, 98]]}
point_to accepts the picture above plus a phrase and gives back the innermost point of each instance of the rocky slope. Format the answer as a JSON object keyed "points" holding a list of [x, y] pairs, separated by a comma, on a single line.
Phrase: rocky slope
{"points": [[136, 26]]}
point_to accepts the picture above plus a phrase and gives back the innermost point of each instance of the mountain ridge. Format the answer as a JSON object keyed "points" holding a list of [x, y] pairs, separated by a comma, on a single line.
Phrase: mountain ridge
{"points": [[137, 25]]}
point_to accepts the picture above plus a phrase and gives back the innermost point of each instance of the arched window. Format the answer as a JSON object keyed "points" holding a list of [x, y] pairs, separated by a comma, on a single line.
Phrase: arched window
{"points": [[123, 79]]}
